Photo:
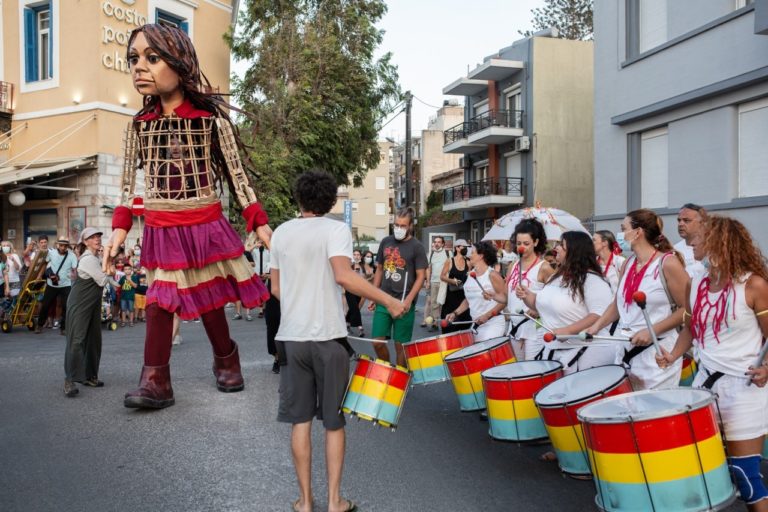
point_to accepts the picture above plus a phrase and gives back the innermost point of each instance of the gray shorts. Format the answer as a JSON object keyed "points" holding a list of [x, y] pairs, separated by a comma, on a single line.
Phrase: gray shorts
{"points": [[313, 383]]}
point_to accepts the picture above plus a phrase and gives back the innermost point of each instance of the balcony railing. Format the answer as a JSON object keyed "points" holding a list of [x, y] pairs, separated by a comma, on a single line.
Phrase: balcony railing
{"points": [[6, 97], [483, 188], [501, 118]]}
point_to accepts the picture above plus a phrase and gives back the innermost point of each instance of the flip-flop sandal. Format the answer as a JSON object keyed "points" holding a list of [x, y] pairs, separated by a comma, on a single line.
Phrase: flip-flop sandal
{"points": [[548, 457], [352, 507]]}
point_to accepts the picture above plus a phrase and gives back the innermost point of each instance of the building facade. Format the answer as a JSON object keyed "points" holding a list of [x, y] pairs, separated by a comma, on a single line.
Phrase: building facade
{"points": [[66, 97], [681, 109], [526, 136]]}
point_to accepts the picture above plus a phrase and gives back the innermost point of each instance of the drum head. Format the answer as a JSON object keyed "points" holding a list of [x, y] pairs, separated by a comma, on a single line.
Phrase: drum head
{"points": [[645, 405], [477, 348], [581, 385], [431, 338], [521, 370]]}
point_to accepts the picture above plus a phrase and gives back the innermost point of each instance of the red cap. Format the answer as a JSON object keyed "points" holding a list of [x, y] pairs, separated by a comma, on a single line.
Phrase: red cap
{"points": [[549, 337]]}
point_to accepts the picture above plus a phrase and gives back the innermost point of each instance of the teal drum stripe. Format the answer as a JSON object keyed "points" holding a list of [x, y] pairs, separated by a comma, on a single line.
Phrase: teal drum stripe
{"points": [[429, 375], [472, 401], [368, 406], [573, 462], [520, 430], [683, 495]]}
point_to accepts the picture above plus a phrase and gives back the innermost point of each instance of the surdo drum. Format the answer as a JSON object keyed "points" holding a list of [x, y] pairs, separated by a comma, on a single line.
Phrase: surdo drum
{"points": [[376, 392], [425, 356]]}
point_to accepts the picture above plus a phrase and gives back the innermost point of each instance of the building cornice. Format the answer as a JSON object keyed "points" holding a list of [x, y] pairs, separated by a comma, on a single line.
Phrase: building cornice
{"points": [[85, 107]]}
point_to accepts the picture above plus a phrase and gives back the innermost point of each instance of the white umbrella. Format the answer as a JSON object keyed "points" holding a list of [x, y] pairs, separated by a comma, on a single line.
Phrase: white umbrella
{"points": [[556, 222]]}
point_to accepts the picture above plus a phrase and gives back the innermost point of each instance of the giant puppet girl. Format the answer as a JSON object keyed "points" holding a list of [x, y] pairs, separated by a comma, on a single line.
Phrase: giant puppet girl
{"points": [[184, 142]]}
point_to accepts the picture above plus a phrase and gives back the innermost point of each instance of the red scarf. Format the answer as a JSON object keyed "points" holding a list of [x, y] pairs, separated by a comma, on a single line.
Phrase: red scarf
{"points": [[608, 265], [703, 307], [634, 278], [513, 277]]}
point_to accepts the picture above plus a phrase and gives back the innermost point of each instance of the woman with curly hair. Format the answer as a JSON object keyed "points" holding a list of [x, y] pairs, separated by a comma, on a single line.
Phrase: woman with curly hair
{"points": [[658, 271], [727, 320], [573, 298], [186, 145]]}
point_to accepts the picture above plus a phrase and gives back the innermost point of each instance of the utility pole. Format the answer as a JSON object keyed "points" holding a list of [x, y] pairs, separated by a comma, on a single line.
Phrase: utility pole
{"points": [[408, 163]]}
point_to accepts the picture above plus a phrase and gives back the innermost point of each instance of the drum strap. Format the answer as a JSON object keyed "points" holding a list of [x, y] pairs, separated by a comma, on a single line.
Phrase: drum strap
{"points": [[634, 351], [540, 355], [614, 325], [577, 356], [712, 377], [515, 327]]}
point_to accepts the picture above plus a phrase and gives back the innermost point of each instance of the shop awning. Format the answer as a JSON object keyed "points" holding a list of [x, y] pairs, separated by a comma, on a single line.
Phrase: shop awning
{"points": [[16, 174]]}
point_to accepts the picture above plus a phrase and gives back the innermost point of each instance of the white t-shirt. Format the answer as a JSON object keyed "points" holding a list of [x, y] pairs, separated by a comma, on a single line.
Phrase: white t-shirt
{"points": [[692, 266], [14, 265], [558, 308], [260, 260], [310, 299], [612, 270], [436, 261]]}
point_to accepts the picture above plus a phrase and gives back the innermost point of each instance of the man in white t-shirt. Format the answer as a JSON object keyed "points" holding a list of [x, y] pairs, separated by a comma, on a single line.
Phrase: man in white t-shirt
{"points": [[310, 263], [437, 258], [690, 224]]}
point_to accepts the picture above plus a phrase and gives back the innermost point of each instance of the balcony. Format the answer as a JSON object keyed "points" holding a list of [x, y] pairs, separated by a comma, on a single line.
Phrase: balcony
{"points": [[6, 97], [466, 87], [496, 69], [481, 194], [491, 127]]}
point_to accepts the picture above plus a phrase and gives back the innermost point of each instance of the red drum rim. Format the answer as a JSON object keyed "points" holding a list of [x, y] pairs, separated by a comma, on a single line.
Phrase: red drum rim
{"points": [[601, 392], [439, 336], [488, 374], [591, 413], [477, 348], [382, 362]]}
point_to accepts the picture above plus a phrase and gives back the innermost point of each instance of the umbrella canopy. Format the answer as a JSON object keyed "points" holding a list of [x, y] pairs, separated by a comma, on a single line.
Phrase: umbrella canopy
{"points": [[555, 222]]}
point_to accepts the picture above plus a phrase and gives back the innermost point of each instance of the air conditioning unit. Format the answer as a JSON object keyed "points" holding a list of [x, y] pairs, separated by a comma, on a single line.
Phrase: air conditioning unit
{"points": [[462, 161], [522, 144]]}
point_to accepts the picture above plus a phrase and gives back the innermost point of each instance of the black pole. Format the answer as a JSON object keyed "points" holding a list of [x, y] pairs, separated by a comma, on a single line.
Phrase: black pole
{"points": [[408, 163]]}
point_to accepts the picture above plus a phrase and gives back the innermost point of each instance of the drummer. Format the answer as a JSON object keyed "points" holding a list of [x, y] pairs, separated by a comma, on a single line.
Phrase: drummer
{"points": [[727, 318], [572, 300], [529, 236], [485, 294], [657, 270], [609, 256]]}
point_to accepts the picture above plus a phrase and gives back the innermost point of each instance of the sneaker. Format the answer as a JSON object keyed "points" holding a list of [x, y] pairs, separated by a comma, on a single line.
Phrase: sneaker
{"points": [[55, 324], [70, 388], [177, 340], [93, 382], [197, 320], [275, 367], [185, 321], [248, 318], [237, 316], [130, 324]]}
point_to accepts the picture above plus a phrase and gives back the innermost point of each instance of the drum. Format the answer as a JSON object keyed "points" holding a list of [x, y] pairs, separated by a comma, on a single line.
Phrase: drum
{"points": [[689, 371], [376, 392], [657, 450], [509, 390], [425, 356], [466, 365], [558, 403]]}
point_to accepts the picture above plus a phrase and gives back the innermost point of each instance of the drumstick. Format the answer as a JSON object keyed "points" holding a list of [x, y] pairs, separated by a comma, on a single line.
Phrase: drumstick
{"points": [[405, 286], [371, 340], [529, 317], [549, 338], [520, 252], [445, 323], [760, 359], [583, 336], [639, 298], [473, 275]]}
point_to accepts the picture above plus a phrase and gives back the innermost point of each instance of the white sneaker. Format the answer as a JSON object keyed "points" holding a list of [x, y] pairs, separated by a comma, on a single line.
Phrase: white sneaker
{"points": [[177, 340]]}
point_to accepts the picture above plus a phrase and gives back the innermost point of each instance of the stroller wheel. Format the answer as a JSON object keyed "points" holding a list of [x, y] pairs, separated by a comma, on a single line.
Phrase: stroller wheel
{"points": [[31, 325], [6, 326], [112, 326]]}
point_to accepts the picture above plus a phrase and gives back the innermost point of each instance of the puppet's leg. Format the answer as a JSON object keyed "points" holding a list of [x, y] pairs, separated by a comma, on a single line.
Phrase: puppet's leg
{"points": [[226, 358], [155, 391]]}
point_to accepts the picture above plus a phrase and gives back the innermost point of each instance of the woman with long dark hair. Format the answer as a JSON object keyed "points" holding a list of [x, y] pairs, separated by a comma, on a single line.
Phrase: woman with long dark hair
{"points": [[658, 271], [572, 300], [727, 319], [186, 144], [530, 238], [455, 273]]}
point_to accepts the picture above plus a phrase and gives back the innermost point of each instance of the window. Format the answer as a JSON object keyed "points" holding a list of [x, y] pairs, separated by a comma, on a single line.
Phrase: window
{"points": [[514, 166], [381, 208], [38, 42], [381, 183], [753, 151], [166, 18], [354, 206], [654, 169], [481, 171], [652, 19]]}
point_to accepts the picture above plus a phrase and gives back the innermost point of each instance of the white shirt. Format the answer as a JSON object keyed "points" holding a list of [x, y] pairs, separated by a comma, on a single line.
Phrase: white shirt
{"points": [[692, 266], [558, 308], [310, 298], [260, 258], [527, 330], [436, 261], [657, 303], [478, 306], [613, 271], [14, 265]]}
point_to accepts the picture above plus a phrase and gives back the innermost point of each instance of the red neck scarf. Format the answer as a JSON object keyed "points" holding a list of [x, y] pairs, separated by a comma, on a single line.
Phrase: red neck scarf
{"points": [[703, 307], [513, 279], [634, 278], [608, 264]]}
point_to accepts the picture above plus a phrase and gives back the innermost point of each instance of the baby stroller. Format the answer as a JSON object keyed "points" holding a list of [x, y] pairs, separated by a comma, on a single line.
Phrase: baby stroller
{"points": [[6, 307], [106, 309]]}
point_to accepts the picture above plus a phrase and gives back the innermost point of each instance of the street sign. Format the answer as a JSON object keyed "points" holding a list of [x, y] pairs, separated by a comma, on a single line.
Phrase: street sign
{"points": [[348, 213]]}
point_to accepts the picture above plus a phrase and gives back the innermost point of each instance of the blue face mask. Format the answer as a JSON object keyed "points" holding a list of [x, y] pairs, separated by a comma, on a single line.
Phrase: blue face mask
{"points": [[623, 244]]}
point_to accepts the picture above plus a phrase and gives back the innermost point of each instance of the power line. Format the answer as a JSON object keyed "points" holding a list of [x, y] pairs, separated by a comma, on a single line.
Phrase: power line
{"points": [[425, 103], [388, 113], [392, 119]]}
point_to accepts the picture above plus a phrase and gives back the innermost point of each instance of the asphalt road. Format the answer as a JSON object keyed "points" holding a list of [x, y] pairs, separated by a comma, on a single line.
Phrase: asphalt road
{"points": [[226, 452]]}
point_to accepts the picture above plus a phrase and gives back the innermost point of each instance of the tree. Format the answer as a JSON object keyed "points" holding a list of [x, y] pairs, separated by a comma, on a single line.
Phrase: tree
{"points": [[314, 95], [571, 18]]}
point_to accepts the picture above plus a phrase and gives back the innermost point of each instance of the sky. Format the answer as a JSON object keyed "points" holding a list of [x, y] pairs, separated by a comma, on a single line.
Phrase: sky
{"points": [[435, 42]]}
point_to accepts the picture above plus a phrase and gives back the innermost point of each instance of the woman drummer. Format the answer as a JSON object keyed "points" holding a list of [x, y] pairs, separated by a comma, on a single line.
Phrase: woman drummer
{"points": [[609, 257], [658, 271], [727, 319], [455, 273], [572, 300], [530, 239], [485, 294]]}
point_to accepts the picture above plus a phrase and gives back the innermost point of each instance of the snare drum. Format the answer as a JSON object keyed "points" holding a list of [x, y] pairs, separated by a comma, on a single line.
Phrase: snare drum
{"points": [[425, 356], [466, 365], [559, 402], [657, 450], [689, 371], [376, 391], [509, 390]]}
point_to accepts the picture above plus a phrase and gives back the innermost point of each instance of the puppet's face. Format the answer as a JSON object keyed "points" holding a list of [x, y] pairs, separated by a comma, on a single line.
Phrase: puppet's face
{"points": [[151, 75]]}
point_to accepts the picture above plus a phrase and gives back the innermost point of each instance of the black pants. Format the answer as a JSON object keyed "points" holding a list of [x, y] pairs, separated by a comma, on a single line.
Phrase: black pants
{"points": [[50, 295], [353, 313], [272, 318]]}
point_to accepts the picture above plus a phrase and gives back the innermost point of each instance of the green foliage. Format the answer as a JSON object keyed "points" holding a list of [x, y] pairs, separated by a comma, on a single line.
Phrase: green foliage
{"points": [[314, 95], [572, 18], [435, 217], [435, 199]]}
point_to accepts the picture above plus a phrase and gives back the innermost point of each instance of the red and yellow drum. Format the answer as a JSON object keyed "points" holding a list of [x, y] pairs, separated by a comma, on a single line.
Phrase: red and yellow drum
{"points": [[509, 390], [559, 402], [657, 450], [425, 356], [376, 391], [466, 365], [689, 371]]}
